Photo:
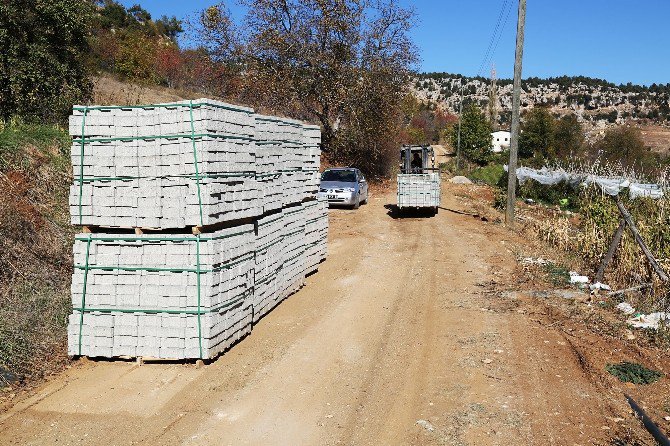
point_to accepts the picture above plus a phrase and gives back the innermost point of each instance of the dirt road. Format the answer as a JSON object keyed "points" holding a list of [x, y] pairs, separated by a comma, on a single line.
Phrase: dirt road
{"points": [[393, 341]]}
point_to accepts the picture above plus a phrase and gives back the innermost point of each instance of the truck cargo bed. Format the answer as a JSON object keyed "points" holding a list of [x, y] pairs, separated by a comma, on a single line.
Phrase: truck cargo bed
{"points": [[419, 190]]}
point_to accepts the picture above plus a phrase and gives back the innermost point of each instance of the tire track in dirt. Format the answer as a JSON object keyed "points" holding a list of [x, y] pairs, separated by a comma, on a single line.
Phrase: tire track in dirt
{"points": [[359, 426]]}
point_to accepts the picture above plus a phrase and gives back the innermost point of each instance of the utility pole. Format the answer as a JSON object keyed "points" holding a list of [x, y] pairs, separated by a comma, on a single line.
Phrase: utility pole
{"points": [[493, 100], [516, 105]]}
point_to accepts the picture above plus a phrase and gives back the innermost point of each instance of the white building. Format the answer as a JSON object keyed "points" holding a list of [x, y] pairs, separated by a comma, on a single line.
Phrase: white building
{"points": [[500, 141]]}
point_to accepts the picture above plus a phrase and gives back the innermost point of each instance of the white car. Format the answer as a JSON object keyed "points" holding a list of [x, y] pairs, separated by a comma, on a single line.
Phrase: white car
{"points": [[344, 186]]}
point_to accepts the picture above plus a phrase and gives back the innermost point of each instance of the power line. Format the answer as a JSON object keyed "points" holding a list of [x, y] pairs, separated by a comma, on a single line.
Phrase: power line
{"points": [[502, 28], [493, 37], [488, 55]]}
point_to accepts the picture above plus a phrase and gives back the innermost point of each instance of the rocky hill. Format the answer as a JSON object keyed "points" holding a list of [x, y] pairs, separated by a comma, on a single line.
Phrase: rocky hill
{"points": [[597, 103]]}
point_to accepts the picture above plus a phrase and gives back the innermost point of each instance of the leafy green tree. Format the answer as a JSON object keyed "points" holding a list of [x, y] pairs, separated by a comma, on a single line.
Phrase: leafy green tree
{"points": [[475, 135], [169, 27], [624, 145], [568, 137], [537, 135], [136, 57], [339, 62], [42, 57]]}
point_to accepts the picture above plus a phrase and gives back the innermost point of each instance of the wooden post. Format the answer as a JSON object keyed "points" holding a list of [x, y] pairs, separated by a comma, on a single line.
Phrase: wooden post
{"points": [[458, 144], [638, 238], [516, 106], [610, 252], [628, 290]]}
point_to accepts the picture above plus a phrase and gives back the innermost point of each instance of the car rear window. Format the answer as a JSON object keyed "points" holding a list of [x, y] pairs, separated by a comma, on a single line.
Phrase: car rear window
{"points": [[348, 176]]}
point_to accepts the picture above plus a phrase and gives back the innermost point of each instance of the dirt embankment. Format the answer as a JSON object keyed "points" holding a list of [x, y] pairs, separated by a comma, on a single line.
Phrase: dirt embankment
{"points": [[414, 331]]}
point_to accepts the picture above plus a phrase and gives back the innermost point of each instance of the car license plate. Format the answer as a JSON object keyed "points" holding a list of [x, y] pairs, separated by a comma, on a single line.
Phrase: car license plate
{"points": [[332, 197]]}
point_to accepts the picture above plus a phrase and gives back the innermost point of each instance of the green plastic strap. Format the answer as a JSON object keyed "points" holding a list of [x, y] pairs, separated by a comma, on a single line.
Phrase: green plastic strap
{"points": [[298, 209], [269, 245], [215, 309], [169, 105], [294, 257], [197, 263], [83, 294], [130, 178], [151, 269], [197, 173], [313, 244], [143, 238], [174, 136], [278, 216], [299, 231], [273, 174], [81, 165], [271, 275]]}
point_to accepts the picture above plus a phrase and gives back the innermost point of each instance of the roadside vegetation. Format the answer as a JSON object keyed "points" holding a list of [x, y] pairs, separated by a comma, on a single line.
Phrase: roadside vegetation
{"points": [[579, 222], [36, 246]]}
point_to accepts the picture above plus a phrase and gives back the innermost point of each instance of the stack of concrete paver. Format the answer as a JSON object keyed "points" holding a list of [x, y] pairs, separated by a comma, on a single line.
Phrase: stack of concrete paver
{"points": [[144, 178], [316, 234], [269, 246], [165, 295], [270, 157], [419, 190], [136, 167], [312, 164], [294, 158], [293, 270]]}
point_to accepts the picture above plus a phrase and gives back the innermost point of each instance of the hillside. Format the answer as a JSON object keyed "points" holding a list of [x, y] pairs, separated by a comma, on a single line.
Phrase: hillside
{"points": [[598, 104], [108, 90]]}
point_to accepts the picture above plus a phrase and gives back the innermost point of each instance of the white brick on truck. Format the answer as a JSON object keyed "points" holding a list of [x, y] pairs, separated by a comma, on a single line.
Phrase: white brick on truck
{"points": [[419, 190]]}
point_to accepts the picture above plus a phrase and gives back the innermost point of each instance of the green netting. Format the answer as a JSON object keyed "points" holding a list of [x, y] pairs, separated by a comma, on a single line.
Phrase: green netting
{"points": [[222, 306]]}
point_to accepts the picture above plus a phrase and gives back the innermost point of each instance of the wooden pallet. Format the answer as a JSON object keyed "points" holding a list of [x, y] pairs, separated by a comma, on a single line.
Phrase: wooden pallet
{"points": [[141, 360], [195, 230]]}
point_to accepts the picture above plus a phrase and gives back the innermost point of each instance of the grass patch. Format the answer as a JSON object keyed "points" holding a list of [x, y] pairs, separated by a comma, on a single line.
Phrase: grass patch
{"points": [[48, 141], [36, 246], [558, 275], [493, 175], [561, 194], [632, 372]]}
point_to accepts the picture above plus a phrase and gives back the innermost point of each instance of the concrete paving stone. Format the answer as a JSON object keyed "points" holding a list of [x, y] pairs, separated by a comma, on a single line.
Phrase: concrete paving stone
{"points": [[161, 190]]}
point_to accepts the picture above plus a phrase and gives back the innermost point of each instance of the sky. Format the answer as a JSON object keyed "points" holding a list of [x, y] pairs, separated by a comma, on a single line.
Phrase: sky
{"points": [[617, 40]]}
